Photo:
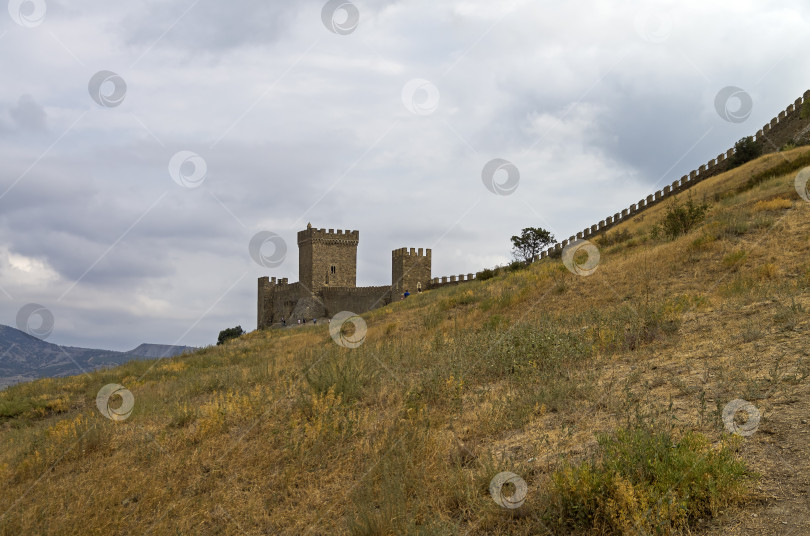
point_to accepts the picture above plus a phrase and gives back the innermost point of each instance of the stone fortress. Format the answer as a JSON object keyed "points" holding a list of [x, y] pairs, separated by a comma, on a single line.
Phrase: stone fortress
{"points": [[327, 268], [327, 279]]}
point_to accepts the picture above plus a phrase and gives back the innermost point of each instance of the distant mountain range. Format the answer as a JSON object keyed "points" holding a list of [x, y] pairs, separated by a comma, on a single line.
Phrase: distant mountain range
{"points": [[24, 358]]}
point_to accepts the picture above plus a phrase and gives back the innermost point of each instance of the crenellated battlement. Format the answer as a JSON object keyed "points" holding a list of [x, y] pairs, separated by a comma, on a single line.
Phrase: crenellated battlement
{"points": [[786, 127], [437, 282], [404, 252], [311, 234]]}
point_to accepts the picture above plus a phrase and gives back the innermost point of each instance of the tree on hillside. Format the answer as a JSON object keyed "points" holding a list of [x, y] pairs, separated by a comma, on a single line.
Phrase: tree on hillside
{"points": [[227, 334], [744, 150], [531, 242]]}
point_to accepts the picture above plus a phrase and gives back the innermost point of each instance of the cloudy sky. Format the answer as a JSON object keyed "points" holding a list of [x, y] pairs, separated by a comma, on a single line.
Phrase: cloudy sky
{"points": [[143, 144]]}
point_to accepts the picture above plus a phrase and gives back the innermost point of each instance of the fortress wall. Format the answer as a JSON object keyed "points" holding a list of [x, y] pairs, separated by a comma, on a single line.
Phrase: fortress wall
{"points": [[355, 299], [786, 127], [277, 299], [444, 281]]}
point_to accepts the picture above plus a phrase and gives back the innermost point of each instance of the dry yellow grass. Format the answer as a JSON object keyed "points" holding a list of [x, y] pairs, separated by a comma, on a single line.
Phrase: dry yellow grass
{"points": [[283, 432]]}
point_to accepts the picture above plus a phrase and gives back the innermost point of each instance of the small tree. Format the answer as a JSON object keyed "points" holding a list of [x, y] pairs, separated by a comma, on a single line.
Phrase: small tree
{"points": [[531, 241], [745, 150], [227, 334]]}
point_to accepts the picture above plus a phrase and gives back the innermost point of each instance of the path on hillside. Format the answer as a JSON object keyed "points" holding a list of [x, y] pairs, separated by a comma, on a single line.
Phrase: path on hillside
{"points": [[780, 452]]}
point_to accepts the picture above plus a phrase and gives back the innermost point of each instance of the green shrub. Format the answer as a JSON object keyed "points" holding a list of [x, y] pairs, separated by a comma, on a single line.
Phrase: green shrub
{"points": [[788, 146], [516, 265], [645, 481], [745, 150], [485, 274], [617, 237], [680, 219], [231, 333]]}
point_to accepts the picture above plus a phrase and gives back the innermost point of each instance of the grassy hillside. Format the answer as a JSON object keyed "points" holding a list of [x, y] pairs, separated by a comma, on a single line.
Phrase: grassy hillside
{"points": [[604, 394]]}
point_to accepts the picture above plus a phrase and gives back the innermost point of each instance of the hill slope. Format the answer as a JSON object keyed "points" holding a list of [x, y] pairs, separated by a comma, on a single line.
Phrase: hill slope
{"points": [[285, 432]]}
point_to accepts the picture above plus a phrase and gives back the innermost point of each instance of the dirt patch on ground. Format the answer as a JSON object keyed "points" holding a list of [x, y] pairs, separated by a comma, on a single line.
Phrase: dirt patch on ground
{"points": [[780, 452]]}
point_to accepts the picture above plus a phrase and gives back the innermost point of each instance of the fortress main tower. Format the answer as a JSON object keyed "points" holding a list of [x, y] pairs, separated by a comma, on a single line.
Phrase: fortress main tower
{"points": [[327, 258]]}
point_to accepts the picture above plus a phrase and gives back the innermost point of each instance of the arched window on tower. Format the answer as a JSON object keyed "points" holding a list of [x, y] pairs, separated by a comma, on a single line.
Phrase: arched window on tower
{"points": [[419, 286]]}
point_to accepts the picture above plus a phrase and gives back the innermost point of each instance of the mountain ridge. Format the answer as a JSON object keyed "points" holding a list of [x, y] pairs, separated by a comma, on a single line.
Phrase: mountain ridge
{"points": [[24, 357]]}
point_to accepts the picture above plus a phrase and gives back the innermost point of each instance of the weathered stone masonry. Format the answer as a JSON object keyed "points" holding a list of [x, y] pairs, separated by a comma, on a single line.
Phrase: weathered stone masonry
{"points": [[327, 276]]}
